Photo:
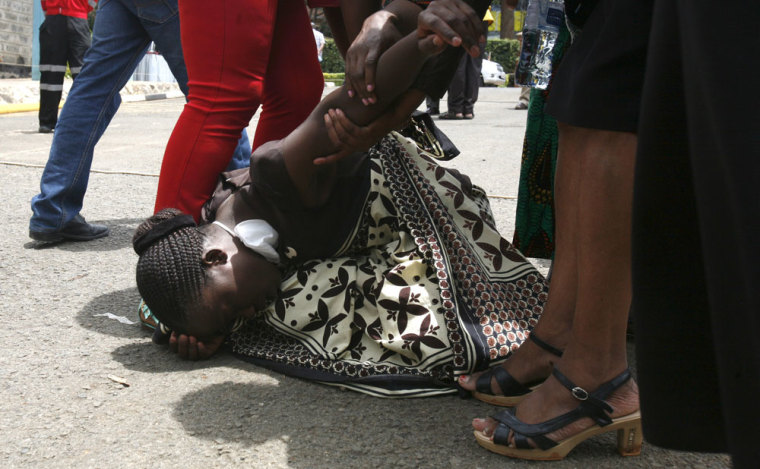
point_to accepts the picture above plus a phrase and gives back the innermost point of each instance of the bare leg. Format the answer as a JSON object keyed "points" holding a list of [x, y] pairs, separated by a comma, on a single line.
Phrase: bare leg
{"points": [[531, 363], [595, 169]]}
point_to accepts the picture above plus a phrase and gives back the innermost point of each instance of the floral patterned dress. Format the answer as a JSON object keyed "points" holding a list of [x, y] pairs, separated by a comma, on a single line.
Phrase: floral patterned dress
{"points": [[424, 289]]}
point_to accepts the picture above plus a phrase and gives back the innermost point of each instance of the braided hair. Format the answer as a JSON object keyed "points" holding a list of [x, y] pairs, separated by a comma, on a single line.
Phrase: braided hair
{"points": [[170, 271]]}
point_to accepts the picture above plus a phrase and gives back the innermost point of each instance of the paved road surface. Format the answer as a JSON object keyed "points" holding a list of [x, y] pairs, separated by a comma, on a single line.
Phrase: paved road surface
{"points": [[70, 335]]}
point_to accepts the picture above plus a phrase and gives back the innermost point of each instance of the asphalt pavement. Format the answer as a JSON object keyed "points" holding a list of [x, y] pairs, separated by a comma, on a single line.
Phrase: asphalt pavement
{"points": [[83, 386]]}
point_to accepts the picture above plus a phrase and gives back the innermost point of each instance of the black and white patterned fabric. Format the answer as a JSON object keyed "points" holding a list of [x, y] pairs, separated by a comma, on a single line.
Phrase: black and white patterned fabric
{"points": [[424, 290]]}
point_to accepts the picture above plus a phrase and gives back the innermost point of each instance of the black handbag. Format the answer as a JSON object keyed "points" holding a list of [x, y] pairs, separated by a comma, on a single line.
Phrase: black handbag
{"points": [[429, 137]]}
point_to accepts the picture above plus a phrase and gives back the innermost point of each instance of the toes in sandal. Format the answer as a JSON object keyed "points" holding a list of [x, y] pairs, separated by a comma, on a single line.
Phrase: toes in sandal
{"points": [[512, 391], [451, 115], [592, 405]]}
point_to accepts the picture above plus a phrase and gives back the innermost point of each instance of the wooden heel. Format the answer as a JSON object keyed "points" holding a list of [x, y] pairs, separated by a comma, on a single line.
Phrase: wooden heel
{"points": [[629, 439], [593, 406]]}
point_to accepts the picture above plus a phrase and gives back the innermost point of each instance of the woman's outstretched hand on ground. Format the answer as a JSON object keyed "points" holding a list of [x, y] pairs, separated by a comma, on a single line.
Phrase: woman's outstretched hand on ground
{"points": [[190, 348]]}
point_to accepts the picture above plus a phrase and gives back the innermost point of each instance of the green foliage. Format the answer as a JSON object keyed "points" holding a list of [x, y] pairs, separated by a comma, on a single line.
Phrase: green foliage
{"points": [[504, 51], [336, 78], [332, 62]]}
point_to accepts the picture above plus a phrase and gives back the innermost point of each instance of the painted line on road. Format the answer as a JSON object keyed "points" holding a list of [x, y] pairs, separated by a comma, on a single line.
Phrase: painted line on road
{"points": [[134, 173], [98, 171]]}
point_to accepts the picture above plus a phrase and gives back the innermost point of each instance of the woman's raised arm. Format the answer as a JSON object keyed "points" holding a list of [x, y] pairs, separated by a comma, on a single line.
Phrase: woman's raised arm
{"points": [[396, 71]]}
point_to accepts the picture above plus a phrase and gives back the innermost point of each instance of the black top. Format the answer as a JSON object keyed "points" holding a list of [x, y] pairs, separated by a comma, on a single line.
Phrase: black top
{"points": [[304, 232]]}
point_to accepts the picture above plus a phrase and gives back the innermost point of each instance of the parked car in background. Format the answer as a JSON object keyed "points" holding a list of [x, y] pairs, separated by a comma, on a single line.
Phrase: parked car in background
{"points": [[492, 74]]}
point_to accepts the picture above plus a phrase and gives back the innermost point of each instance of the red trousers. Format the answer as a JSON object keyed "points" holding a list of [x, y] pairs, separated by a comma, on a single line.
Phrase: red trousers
{"points": [[239, 54]]}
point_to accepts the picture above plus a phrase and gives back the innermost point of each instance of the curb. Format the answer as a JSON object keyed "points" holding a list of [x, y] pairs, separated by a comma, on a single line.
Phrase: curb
{"points": [[131, 98], [128, 98], [125, 98], [21, 107]]}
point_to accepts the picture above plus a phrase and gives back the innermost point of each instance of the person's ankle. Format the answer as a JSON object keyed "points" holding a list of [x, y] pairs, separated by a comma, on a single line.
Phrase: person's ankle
{"points": [[589, 372], [555, 335]]}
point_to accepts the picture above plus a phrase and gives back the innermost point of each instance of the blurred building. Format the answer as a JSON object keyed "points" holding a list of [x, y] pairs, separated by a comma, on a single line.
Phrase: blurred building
{"points": [[153, 67], [17, 34]]}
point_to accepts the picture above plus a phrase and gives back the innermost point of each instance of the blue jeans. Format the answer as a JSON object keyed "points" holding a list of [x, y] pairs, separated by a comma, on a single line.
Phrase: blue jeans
{"points": [[122, 33]]}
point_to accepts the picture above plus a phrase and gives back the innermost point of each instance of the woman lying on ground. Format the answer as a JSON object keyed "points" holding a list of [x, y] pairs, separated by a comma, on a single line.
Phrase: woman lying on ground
{"points": [[380, 271]]}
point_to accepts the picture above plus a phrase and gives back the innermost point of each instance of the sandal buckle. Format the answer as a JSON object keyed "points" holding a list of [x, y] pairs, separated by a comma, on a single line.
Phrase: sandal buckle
{"points": [[579, 393]]}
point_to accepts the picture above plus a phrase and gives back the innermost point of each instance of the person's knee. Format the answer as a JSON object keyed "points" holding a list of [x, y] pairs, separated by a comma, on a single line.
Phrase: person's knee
{"points": [[307, 92], [295, 96], [590, 136], [219, 97]]}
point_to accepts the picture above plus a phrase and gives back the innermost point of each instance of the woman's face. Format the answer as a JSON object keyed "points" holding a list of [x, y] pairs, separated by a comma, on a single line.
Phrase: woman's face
{"points": [[238, 283]]}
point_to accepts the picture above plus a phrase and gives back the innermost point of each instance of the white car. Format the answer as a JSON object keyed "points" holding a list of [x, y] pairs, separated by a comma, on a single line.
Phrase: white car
{"points": [[492, 74]]}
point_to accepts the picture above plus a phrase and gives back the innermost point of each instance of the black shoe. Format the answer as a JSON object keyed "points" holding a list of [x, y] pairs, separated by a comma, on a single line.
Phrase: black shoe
{"points": [[75, 230], [433, 112], [44, 129]]}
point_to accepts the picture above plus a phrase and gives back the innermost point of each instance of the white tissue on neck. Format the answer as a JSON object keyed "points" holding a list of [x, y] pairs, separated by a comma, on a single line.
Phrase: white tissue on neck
{"points": [[257, 235]]}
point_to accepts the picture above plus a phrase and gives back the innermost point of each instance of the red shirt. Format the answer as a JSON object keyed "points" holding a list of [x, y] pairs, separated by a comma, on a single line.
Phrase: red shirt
{"points": [[75, 8]]}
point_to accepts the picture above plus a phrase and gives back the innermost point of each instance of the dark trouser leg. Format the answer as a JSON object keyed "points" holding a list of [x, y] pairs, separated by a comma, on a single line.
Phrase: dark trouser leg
{"points": [[53, 55], [79, 42], [669, 298], [696, 254], [725, 144], [457, 87], [432, 105], [472, 85]]}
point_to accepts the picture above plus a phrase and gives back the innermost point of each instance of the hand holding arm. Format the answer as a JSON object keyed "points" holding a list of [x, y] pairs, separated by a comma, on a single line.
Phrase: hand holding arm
{"points": [[349, 137], [453, 22], [378, 32], [397, 68]]}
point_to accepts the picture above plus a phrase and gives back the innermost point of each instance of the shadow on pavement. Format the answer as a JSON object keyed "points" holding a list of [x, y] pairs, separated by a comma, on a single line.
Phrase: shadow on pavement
{"points": [[147, 357], [115, 314], [322, 426], [112, 313]]}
